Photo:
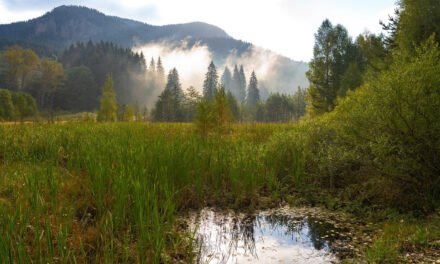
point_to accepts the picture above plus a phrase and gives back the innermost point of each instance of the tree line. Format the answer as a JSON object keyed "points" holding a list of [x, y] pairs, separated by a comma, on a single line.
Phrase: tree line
{"points": [[242, 100], [74, 82]]}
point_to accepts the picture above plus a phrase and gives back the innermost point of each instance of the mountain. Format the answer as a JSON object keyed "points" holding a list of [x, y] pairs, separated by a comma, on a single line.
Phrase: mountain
{"points": [[65, 25], [53, 32]]}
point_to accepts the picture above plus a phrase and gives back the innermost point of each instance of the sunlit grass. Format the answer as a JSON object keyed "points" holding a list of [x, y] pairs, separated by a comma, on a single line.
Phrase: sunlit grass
{"points": [[106, 193]]}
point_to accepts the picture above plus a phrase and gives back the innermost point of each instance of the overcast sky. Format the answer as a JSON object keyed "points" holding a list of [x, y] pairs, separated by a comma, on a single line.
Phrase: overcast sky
{"points": [[284, 26]]}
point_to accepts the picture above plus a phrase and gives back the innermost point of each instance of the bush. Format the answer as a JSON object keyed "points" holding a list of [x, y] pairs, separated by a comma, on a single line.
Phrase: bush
{"points": [[395, 124], [214, 116]]}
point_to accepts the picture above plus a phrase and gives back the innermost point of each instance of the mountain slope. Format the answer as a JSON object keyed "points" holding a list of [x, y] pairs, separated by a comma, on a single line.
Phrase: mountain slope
{"points": [[51, 33], [65, 25]]}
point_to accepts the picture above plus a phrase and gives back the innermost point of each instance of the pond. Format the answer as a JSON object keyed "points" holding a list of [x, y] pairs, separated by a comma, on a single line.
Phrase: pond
{"points": [[284, 235]]}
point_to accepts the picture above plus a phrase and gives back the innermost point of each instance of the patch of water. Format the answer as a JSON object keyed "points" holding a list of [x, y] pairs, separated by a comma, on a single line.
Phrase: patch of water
{"points": [[275, 236]]}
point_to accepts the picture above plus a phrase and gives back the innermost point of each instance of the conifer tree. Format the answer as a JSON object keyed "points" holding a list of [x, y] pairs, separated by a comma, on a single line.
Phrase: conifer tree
{"points": [[253, 95], [169, 106], [210, 83], [226, 79], [108, 106], [160, 73], [236, 84], [173, 84], [242, 88]]}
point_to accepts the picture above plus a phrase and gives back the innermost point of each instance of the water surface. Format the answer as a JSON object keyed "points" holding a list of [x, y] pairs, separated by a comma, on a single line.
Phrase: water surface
{"points": [[275, 236]]}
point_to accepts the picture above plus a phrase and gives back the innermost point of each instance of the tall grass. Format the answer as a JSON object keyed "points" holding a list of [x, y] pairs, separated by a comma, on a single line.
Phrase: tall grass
{"points": [[106, 193]]}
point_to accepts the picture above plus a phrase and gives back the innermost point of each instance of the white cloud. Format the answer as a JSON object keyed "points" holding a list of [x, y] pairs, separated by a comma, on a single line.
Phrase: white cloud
{"points": [[8, 16]]}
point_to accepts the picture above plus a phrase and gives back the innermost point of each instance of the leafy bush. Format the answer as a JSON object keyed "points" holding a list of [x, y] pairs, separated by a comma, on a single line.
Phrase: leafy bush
{"points": [[214, 116]]}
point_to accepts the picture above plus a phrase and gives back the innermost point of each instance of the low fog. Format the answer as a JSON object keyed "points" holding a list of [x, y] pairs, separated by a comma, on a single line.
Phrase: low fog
{"points": [[274, 72]]}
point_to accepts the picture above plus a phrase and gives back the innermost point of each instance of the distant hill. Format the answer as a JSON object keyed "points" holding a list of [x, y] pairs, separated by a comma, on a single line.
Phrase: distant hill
{"points": [[66, 25]]}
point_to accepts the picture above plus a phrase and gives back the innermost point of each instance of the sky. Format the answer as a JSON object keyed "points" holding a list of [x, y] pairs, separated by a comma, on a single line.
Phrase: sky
{"points": [[284, 26]]}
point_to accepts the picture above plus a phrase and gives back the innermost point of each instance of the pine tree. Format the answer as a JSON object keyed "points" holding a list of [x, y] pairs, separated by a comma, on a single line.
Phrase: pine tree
{"points": [[242, 88], [108, 106], [173, 84], [226, 79], [160, 73], [169, 106], [236, 84], [253, 95], [210, 83]]}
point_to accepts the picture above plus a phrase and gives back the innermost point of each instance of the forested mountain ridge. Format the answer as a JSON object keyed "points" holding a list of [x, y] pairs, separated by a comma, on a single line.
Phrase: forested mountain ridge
{"points": [[66, 25]]}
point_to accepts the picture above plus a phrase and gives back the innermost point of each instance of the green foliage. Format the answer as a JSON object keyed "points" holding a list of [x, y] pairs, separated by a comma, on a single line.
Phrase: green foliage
{"points": [[108, 105], [6, 105], [339, 65], [253, 94], [385, 133], [128, 70], [20, 67], [128, 114], [210, 83], [169, 107], [214, 116], [279, 108], [285, 155], [329, 63], [24, 104], [50, 79], [403, 235], [282, 108], [80, 91], [394, 120], [418, 20], [113, 192]]}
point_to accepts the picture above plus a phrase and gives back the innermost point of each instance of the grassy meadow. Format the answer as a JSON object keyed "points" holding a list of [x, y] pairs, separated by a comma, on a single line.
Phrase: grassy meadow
{"points": [[113, 192], [106, 193]]}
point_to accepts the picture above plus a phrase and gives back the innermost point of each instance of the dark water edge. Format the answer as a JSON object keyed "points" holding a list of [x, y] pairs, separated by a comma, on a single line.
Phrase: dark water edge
{"points": [[282, 235]]}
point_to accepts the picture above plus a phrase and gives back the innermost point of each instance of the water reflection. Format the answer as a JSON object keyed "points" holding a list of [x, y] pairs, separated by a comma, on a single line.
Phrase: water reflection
{"points": [[266, 237]]}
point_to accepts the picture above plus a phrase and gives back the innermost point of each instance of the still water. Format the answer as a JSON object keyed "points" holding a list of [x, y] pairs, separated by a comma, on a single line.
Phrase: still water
{"points": [[276, 236]]}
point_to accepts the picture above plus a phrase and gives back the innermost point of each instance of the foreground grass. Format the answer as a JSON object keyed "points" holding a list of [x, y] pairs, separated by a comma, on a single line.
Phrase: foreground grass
{"points": [[110, 193]]}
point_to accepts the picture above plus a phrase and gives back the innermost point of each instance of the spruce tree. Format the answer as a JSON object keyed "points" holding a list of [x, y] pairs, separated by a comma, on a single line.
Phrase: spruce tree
{"points": [[226, 79], [173, 84], [235, 87], [169, 106], [242, 85], [160, 73], [108, 105], [210, 83], [253, 94]]}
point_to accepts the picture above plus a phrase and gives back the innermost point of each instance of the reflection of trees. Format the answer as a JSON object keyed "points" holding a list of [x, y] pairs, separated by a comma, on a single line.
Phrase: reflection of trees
{"points": [[239, 232], [234, 232]]}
